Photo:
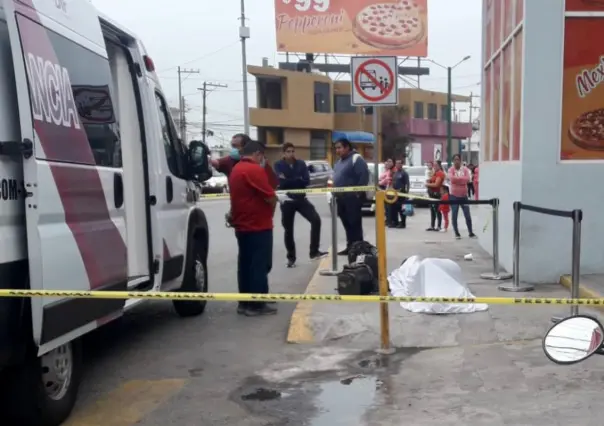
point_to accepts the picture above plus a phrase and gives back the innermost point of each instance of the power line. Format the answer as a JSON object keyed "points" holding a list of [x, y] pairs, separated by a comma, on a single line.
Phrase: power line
{"points": [[204, 95], [201, 57]]}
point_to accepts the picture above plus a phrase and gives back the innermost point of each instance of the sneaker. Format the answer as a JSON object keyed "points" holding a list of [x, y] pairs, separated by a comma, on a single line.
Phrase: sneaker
{"points": [[472, 235], [445, 230], [457, 237], [318, 255], [262, 310], [343, 252], [437, 229], [291, 263], [430, 229]]}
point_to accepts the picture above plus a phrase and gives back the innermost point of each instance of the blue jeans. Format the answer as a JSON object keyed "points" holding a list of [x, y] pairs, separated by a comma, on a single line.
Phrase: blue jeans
{"points": [[455, 211], [254, 262]]}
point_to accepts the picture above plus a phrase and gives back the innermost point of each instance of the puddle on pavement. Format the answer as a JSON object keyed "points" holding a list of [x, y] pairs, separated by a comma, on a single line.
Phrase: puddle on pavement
{"points": [[262, 394], [344, 402]]}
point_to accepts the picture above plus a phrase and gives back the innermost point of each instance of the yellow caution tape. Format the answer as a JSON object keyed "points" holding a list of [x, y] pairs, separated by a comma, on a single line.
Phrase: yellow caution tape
{"points": [[306, 191], [236, 297]]}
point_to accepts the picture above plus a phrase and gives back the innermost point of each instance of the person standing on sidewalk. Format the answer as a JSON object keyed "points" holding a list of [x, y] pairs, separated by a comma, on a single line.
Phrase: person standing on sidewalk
{"points": [[433, 185], [445, 208], [400, 183], [293, 174], [385, 182], [460, 176], [253, 202], [350, 170]]}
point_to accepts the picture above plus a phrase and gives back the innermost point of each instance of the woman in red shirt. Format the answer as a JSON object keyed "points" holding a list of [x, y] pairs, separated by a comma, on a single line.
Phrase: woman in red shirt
{"points": [[433, 184]]}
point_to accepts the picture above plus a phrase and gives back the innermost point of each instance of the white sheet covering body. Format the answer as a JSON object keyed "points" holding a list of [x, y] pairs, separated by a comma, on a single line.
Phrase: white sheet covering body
{"points": [[432, 277]]}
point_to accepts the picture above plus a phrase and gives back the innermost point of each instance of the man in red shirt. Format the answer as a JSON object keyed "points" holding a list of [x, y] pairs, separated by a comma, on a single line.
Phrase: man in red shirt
{"points": [[225, 164], [253, 202]]}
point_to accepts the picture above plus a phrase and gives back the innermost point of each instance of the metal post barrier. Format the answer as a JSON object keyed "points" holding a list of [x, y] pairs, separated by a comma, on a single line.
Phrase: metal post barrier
{"points": [[334, 240], [515, 285], [380, 224], [497, 274], [576, 260]]}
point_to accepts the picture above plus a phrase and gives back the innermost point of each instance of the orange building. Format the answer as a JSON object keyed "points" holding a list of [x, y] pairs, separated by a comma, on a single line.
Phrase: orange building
{"points": [[308, 109]]}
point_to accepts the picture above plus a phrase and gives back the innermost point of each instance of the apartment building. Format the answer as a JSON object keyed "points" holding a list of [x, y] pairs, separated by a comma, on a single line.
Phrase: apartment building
{"points": [[311, 110]]}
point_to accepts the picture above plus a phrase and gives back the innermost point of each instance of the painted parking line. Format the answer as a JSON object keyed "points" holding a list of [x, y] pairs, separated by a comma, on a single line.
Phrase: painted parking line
{"points": [[126, 405]]}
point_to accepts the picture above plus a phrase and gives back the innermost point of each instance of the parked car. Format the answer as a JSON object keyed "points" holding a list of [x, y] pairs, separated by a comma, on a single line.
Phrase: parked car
{"points": [[320, 173], [217, 184]]}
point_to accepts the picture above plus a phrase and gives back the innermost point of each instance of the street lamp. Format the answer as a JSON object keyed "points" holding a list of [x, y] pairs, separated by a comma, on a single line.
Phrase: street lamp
{"points": [[449, 103]]}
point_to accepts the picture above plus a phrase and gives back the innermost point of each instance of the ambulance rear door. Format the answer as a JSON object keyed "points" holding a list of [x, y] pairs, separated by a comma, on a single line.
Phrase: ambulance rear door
{"points": [[70, 143]]}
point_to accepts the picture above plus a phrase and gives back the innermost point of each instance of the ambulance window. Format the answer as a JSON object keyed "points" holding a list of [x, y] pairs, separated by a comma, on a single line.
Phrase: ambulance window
{"points": [[169, 137], [79, 81]]}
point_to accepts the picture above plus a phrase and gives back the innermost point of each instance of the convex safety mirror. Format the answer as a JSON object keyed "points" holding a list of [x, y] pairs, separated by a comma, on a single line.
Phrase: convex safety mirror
{"points": [[573, 340]]}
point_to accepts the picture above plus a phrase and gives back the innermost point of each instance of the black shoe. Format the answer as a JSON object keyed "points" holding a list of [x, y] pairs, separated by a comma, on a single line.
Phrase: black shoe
{"points": [[401, 226], [457, 236], [343, 252], [291, 263], [318, 255], [431, 230], [472, 235], [263, 309]]}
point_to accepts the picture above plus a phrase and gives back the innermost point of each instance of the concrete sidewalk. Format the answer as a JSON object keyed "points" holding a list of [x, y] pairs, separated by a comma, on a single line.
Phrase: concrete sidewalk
{"points": [[485, 368], [358, 324]]}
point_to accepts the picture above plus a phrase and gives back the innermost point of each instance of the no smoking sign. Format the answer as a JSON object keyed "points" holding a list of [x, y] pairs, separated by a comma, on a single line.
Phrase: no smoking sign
{"points": [[374, 80]]}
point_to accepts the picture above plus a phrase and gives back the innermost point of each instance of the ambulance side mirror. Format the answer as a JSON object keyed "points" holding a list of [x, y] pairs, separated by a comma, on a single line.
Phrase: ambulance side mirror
{"points": [[198, 161]]}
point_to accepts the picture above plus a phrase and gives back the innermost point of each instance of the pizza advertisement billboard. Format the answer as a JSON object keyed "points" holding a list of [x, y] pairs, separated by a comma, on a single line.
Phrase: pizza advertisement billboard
{"points": [[355, 27], [582, 136], [584, 6]]}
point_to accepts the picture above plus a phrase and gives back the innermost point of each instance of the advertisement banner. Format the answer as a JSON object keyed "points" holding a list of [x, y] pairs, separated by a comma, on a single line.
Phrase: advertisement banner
{"points": [[506, 120], [517, 113], [357, 27], [582, 135]]}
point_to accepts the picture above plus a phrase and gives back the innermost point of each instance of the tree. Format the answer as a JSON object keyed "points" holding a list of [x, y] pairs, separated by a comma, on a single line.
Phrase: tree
{"points": [[395, 138]]}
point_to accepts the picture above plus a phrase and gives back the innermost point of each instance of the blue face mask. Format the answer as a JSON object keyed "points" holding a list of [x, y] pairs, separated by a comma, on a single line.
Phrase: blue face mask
{"points": [[234, 154]]}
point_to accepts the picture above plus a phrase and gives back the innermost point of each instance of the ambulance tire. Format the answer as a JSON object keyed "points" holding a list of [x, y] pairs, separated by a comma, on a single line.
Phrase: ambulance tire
{"points": [[28, 399], [195, 279]]}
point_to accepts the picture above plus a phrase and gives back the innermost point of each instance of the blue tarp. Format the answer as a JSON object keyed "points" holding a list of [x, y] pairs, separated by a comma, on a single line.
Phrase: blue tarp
{"points": [[354, 137]]}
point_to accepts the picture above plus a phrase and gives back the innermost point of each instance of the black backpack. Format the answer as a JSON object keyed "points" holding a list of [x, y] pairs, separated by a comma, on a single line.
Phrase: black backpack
{"points": [[360, 276]]}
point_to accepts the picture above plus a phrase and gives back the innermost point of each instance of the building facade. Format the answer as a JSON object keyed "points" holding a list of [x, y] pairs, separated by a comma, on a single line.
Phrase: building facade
{"points": [[308, 109]]}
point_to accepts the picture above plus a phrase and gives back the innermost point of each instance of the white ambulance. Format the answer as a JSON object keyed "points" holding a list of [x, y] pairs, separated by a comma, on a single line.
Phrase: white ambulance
{"points": [[96, 192]]}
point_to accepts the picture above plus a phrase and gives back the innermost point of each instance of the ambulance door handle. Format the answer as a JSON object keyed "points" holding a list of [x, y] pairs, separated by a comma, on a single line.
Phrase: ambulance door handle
{"points": [[169, 190], [118, 190]]}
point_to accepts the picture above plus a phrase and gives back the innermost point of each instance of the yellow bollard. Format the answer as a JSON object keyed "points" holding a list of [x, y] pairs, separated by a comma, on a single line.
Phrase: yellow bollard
{"points": [[380, 242]]}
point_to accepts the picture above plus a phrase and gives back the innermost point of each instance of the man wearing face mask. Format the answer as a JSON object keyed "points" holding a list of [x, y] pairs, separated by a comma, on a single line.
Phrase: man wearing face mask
{"points": [[253, 202], [225, 164]]}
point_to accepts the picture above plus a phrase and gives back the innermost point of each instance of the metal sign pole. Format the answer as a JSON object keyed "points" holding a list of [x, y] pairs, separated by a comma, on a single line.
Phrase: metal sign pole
{"points": [[334, 240], [576, 261]]}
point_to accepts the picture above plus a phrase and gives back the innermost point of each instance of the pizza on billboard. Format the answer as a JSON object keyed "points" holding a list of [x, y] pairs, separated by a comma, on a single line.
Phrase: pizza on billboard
{"points": [[398, 27]]}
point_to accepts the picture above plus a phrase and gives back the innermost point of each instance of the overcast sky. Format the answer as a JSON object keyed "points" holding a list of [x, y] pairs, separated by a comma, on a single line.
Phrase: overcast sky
{"points": [[203, 35]]}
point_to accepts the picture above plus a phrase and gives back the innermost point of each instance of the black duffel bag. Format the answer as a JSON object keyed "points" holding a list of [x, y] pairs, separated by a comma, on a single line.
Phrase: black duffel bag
{"points": [[356, 279]]}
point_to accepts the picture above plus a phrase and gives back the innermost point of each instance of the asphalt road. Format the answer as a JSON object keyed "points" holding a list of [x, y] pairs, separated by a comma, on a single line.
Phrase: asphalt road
{"points": [[154, 368]]}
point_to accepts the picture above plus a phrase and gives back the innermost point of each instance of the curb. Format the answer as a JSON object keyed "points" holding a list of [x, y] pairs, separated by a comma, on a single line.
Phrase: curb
{"points": [[584, 292], [299, 325]]}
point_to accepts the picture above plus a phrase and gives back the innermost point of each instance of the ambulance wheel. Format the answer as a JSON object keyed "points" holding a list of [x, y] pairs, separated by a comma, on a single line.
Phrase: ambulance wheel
{"points": [[195, 281], [43, 391]]}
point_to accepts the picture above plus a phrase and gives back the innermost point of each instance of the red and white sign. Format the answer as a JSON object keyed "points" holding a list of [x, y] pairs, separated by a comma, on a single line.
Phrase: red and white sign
{"points": [[374, 80]]}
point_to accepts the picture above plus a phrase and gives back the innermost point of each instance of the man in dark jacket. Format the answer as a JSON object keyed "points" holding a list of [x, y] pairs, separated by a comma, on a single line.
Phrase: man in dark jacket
{"points": [[400, 182], [350, 170], [293, 174]]}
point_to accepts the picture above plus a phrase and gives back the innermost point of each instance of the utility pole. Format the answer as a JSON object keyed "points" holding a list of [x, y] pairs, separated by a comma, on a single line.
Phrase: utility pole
{"points": [[204, 110], [449, 115], [244, 34], [182, 119]]}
